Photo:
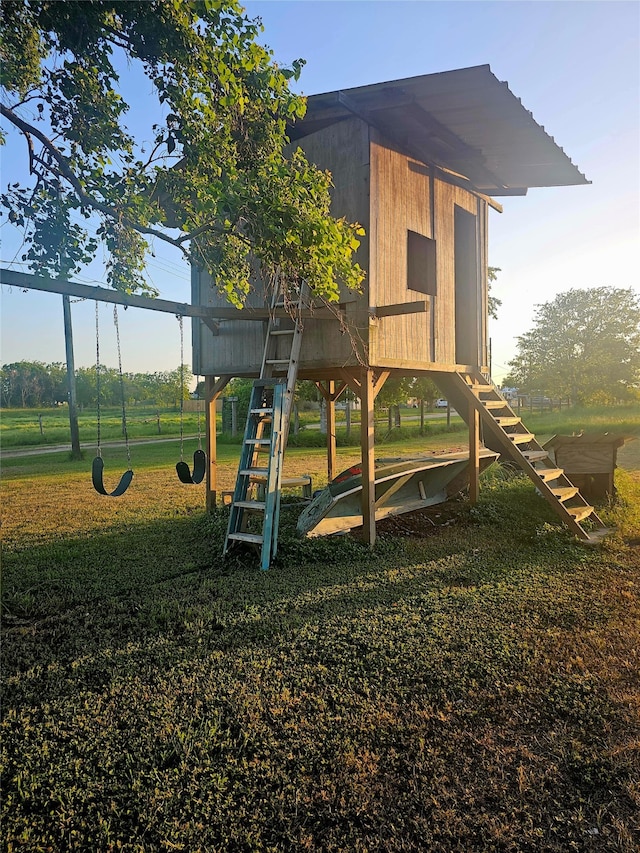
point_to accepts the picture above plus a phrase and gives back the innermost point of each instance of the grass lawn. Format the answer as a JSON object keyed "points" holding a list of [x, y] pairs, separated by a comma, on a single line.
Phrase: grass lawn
{"points": [[472, 685]]}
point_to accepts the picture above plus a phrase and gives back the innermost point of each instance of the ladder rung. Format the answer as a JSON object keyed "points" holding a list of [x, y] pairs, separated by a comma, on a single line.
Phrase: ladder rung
{"points": [[278, 360], [579, 513], [256, 506], [264, 412], [282, 332], [565, 492], [254, 472], [261, 442], [253, 538], [548, 474]]}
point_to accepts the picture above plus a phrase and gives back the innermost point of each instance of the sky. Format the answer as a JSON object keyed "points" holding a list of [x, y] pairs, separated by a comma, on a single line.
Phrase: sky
{"points": [[575, 65]]}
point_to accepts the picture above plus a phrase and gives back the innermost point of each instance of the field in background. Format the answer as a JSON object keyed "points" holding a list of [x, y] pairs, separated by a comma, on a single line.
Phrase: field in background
{"points": [[470, 685]]}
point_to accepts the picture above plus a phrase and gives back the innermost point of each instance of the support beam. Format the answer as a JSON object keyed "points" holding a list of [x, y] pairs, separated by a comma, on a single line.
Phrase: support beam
{"points": [[213, 388], [474, 454], [331, 431], [367, 424], [184, 309], [399, 309], [76, 453]]}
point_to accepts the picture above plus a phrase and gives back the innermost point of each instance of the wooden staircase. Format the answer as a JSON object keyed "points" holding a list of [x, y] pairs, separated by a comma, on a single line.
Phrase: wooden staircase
{"points": [[505, 432], [255, 507]]}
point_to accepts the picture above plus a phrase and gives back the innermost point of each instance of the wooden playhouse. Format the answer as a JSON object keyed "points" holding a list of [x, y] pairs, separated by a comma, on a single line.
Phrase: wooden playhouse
{"points": [[418, 163]]}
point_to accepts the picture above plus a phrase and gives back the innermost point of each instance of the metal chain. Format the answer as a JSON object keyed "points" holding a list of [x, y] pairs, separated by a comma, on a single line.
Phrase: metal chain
{"points": [[198, 405], [124, 411], [179, 316], [99, 452]]}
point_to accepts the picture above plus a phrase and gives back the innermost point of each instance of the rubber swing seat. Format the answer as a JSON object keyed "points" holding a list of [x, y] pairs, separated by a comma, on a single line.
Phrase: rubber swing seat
{"points": [[97, 469], [199, 469]]}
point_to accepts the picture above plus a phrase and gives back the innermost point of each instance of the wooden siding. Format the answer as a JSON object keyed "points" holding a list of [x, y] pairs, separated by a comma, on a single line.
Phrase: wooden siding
{"points": [[390, 194], [237, 347], [405, 196]]}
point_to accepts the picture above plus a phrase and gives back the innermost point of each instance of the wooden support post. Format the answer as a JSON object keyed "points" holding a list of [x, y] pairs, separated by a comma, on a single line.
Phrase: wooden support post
{"points": [[76, 453], [474, 454], [331, 430], [367, 398], [329, 396], [213, 388]]}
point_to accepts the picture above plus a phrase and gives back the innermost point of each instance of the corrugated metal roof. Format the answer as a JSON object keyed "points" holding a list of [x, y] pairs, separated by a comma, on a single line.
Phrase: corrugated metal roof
{"points": [[466, 120]]}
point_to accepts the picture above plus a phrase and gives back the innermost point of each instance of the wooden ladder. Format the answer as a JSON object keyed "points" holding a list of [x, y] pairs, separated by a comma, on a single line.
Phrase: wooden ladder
{"points": [[515, 441], [254, 518]]}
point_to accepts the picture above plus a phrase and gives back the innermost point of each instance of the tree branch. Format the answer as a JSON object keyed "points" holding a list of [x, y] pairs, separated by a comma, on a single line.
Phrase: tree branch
{"points": [[65, 171]]}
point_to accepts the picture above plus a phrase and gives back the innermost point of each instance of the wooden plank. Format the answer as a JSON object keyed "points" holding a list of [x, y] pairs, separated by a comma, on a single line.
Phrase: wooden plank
{"points": [[379, 382], [333, 395], [332, 470], [418, 307], [213, 388], [368, 460], [474, 454], [184, 309]]}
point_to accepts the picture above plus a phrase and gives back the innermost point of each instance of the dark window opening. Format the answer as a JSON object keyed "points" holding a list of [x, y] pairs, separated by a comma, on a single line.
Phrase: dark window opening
{"points": [[421, 263]]}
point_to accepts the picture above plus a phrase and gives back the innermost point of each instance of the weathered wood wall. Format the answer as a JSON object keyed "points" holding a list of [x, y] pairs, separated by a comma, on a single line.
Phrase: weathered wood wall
{"points": [[390, 194], [237, 348], [407, 196]]}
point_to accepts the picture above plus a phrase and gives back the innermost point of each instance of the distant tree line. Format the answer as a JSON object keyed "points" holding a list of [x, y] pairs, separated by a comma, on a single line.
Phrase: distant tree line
{"points": [[32, 384], [584, 347]]}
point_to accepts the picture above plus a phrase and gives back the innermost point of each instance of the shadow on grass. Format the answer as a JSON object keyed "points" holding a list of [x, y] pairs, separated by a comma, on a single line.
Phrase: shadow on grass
{"points": [[166, 582], [436, 693]]}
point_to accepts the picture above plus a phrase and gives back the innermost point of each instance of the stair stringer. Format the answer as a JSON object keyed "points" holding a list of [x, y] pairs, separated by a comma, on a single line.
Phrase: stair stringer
{"points": [[459, 390]]}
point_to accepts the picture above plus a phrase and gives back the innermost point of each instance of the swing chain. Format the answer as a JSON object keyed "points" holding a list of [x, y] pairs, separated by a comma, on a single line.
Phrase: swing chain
{"points": [[180, 321], [124, 410], [99, 451]]}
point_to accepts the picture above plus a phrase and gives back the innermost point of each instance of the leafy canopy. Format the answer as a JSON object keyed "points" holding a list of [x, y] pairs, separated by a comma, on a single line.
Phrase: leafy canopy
{"points": [[213, 181], [585, 346]]}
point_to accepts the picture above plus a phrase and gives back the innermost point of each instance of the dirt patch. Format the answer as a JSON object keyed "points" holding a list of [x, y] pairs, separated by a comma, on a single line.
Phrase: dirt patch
{"points": [[421, 523]]}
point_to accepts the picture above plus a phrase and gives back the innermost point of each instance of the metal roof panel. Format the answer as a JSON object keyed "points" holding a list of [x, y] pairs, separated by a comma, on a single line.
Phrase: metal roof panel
{"points": [[465, 120]]}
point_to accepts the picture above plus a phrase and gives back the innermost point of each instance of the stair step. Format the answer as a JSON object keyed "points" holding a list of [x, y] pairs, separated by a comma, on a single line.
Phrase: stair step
{"points": [[596, 536], [520, 437], [483, 389], [535, 455], [255, 506], [579, 513], [494, 404], [507, 421], [252, 538], [548, 474], [563, 493]]}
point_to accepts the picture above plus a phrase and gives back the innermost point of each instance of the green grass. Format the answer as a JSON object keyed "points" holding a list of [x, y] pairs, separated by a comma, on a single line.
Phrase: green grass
{"points": [[471, 685], [21, 427]]}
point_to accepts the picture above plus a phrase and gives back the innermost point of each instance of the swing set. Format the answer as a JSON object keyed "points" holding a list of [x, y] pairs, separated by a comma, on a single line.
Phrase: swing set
{"points": [[184, 472]]}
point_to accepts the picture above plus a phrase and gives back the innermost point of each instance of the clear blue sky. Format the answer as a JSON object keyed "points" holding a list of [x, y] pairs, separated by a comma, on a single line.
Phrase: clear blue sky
{"points": [[575, 66]]}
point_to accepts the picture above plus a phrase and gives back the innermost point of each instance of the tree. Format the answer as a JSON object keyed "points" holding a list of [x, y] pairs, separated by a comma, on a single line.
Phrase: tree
{"points": [[494, 302], [212, 182], [585, 346]]}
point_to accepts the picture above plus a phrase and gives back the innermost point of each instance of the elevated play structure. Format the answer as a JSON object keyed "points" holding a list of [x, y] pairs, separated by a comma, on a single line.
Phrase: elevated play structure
{"points": [[418, 162]]}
